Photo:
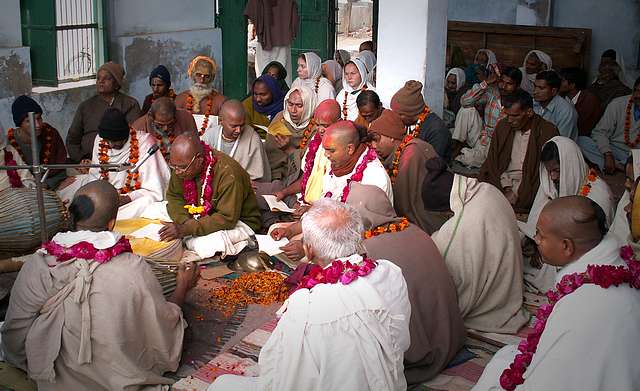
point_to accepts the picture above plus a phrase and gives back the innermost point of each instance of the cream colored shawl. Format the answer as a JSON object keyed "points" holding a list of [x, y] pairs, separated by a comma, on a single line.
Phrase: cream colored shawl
{"points": [[480, 245]]}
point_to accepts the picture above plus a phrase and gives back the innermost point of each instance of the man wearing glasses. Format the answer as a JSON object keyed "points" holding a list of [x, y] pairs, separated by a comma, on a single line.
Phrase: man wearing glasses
{"points": [[209, 200]]}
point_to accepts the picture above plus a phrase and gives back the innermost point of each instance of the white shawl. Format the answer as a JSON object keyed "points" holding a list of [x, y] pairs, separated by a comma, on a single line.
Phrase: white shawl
{"points": [[25, 175], [309, 102], [573, 174], [350, 93], [461, 78], [529, 79], [490, 55], [325, 89], [481, 248], [341, 337]]}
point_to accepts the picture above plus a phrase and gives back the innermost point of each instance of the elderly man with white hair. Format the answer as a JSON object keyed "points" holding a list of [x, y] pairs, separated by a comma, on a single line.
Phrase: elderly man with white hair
{"points": [[348, 332]]}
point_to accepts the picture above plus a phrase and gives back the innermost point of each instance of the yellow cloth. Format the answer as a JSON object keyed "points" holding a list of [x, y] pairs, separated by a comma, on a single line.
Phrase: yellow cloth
{"points": [[278, 128], [254, 118], [321, 164], [141, 246]]}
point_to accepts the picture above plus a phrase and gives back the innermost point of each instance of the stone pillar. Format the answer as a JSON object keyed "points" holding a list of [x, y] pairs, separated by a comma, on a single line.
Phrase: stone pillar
{"points": [[412, 42]]}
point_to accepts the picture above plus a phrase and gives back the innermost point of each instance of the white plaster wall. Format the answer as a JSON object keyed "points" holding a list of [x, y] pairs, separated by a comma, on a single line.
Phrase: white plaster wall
{"points": [[411, 46], [10, 30]]}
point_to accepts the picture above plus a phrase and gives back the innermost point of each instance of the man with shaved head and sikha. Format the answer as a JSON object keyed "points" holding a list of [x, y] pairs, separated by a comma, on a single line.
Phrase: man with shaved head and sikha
{"points": [[86, 313], [210, 199], [343, 333], [591, 335], [234, 137]]}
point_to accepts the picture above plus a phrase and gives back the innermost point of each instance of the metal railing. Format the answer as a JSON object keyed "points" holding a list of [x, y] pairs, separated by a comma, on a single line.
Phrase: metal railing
{"points": [[77, 33]]}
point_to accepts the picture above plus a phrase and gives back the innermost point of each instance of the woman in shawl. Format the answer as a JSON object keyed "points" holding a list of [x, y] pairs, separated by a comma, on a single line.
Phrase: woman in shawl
{"points": [[332, 70], [454, 86], [310, 76], [535, 62], [563, 172], [485, 57], [286, 131], [487, 272], [278, 72], [436, 327], [354, 81], [342, 57], [265, 102], [368, 59]]}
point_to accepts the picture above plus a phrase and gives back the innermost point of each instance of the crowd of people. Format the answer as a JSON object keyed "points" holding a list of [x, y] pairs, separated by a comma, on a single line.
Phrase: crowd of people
{"points": [[409, 228]]}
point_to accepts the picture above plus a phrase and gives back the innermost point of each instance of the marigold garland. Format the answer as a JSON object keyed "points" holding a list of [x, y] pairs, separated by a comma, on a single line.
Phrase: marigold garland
{"points": [[601, 275], [189, 187], [591, 177], [132, 182], [627, 127], [394, 169], [205, 123], [385, 228], [14, 177], [345, 109], [47, 131], [251, 288], [171, 95], [317, 87], [306, 135], [164, 149], [421, 118]]}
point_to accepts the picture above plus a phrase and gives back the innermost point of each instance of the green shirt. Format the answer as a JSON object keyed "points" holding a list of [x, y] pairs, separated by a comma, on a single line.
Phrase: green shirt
{"points": [[233, 199]]}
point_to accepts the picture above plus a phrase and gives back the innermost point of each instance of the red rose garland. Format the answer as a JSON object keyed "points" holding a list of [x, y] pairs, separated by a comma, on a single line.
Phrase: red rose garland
{"points": [[370, 156], [14, 178], [85, 250], [314, 145], [189, 187], [601, 275], [344, 272]]}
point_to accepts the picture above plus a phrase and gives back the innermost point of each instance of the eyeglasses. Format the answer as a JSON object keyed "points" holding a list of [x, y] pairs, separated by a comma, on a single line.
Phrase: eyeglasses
{"points": [[183, 169]]}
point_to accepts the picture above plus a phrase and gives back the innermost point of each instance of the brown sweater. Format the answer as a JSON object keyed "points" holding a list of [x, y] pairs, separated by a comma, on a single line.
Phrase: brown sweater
{"points": [[589, 112], [233, 199], [499, 157]]}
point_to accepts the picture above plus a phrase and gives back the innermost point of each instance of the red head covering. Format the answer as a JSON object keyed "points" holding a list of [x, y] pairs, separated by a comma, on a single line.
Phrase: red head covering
{"points": [[328, 110]]}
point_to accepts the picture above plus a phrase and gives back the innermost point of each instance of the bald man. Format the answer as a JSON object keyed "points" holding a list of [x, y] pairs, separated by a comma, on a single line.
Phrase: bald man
{"points": [[238, 140], [100, 324], [230, 212], [165, 122], [351, 160], [592, 337]]}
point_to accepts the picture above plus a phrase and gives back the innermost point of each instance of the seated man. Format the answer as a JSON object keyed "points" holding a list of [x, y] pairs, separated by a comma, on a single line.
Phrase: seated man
{"points": [[239, 141], [587, 337], [513, 160], [50, 144], [201, 98], [610, 83], [369, 108], [563, 172], [165, 122], [348, 335], [265, 102], [118, 143], [84, 128], [436, 327], [486, 271], [617, 133], [13, 178], [404, 157], [77, 321], [351, 161], [210, 200], [552, 107], [454, 87], [472, 134], [160, 83], [535, 61], [573, 88], [409, 104]]}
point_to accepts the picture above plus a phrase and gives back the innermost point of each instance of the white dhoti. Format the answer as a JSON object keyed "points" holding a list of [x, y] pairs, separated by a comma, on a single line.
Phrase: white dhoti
{"points": [[282, 54], [468, 129], [224, 243]]}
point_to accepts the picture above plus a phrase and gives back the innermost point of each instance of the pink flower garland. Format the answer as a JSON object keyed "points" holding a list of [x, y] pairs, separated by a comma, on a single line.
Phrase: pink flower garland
{"points": [[14, 178], [344, 272], [602, 275], [314, 145], [189, 187], [85, 250], [370, 156]]}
